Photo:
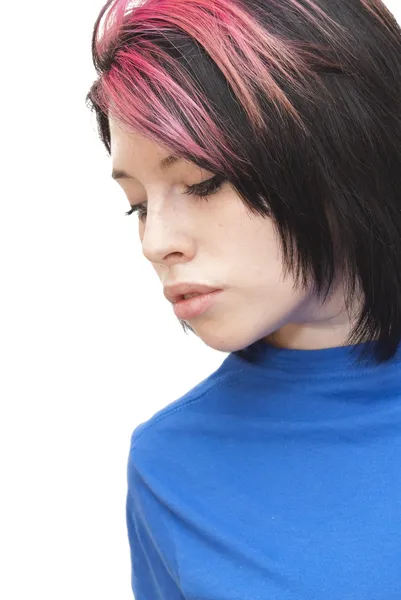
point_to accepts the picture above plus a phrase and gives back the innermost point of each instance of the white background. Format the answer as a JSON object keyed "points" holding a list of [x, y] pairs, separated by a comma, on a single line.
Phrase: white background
{"points": [[89, 346]]}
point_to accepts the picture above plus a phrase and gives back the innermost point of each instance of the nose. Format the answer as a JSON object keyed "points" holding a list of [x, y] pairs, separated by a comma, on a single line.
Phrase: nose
{"points": [[164, 240]]}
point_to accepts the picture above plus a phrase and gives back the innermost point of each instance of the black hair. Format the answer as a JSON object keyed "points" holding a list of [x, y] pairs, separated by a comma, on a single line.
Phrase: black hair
{"points": [[302, 101]]}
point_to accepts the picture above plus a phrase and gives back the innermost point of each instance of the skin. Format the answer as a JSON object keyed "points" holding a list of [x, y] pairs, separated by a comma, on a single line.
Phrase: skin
{"points": [[217, 242]]}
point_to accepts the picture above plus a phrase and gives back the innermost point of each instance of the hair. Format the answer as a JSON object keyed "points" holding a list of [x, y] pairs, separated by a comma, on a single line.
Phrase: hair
{"points": [[298, 104]]}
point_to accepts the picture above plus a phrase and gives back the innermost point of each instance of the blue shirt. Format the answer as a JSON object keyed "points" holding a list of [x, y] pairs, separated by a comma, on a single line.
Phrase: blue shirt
{"points": [[278, 477]]}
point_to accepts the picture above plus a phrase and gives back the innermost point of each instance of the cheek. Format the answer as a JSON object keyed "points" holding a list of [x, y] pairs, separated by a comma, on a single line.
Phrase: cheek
{"points": [[259, 248], [260, 265]]}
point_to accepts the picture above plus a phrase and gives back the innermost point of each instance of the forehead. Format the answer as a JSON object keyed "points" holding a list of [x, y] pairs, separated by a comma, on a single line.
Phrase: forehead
{"points": [[129, 142], [133, 153]]}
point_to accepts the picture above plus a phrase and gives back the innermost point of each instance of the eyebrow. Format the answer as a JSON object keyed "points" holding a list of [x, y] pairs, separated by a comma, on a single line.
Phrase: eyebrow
{"points": [[167, 162]]}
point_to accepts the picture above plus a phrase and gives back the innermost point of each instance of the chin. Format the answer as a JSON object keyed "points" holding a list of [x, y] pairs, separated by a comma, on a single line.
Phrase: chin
{"points": [[228, 342]]}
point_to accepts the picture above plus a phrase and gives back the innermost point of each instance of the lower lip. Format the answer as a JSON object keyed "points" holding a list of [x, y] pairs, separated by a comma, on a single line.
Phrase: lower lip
{"points": [[193, 307]]}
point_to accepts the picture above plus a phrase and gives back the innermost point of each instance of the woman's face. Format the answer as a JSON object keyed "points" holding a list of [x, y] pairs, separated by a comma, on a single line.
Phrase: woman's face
{"points": [[217, 242]]}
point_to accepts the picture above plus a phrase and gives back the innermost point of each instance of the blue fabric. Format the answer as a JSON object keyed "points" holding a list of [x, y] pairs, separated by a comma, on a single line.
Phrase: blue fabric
{"points": [[278, 477]]}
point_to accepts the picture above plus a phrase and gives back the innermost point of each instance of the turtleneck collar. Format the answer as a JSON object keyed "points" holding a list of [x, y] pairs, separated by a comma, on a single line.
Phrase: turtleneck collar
{"points": [[339, 361], [289, 385]]}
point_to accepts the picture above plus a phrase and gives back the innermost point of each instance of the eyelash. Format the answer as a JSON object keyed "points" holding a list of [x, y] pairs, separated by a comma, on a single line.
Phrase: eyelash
{"points": [[201, 190]]}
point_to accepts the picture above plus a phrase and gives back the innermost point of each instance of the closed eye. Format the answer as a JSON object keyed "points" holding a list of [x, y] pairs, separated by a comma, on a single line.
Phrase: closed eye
{"points": [[200, 190], [206, 188]]}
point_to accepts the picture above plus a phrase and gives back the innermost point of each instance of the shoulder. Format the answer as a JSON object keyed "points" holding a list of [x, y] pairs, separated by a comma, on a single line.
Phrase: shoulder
{"points": [[178, 417]]}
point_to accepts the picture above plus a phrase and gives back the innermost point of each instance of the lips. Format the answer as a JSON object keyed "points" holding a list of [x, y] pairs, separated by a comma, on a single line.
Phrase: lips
{"points": [[188, 296], [195, 307], [176, 292]]}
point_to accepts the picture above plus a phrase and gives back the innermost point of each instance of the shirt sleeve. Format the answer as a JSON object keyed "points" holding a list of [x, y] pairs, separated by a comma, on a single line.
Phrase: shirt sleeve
{"points": [[153, 576]]}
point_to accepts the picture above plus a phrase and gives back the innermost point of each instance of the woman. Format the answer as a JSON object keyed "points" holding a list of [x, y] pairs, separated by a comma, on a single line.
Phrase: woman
{"points": [[259, 143]]}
